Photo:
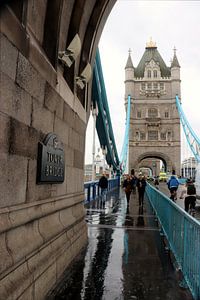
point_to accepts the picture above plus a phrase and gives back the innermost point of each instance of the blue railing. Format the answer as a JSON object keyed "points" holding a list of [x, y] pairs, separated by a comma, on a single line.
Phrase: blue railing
{"points": [[92, 189], [183, 234]]}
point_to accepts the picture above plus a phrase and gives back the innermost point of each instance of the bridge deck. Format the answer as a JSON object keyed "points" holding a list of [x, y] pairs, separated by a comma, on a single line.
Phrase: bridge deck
{"points": [[125, 257]]}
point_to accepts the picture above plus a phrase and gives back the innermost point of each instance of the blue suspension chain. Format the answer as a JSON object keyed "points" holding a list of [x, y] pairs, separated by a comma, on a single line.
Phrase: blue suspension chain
{"points": [[124, 152], [192, 138]]}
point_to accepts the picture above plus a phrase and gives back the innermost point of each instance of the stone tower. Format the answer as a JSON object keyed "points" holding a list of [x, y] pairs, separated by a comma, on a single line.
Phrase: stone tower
{"points": [[154, 121]]}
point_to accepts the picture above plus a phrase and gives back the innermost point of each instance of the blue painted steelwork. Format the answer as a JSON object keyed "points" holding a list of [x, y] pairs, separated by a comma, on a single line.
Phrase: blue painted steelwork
{"points": [[103, 123], [192, 139], [92, 190], [124, 153], [183, 234]]}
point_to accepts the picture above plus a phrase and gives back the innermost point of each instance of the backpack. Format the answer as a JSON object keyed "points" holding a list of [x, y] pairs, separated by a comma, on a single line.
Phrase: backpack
{"points": [[173, 182], [191, 190]]}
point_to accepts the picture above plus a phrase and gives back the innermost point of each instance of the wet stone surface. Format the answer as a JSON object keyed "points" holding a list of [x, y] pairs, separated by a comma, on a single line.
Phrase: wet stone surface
{"points": [[125, 257]]}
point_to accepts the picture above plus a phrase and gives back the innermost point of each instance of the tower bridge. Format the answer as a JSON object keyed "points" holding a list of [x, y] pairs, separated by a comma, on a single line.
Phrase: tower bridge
{"points": [[154, 119], [50, 75]]}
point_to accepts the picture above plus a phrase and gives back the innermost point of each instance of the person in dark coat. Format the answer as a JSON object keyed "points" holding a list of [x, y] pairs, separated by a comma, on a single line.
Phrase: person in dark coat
{"points": [[128, 187], [103, 184], [141, 185]]}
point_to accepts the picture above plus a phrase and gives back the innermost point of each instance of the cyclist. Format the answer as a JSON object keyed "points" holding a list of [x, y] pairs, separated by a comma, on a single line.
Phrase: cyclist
{"points": [[190, 198], [173, 184]]}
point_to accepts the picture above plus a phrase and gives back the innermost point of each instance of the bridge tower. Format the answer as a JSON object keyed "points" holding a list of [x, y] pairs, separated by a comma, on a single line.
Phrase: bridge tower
{"points": [[154, 120]]}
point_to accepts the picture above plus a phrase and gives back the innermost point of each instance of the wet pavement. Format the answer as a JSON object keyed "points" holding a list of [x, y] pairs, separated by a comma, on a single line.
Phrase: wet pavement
{"points": [[125, 257]]}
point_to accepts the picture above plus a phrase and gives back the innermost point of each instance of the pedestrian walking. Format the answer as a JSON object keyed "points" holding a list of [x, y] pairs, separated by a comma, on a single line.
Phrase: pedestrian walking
{"points": [[156, 182], [128, 187], [141, 185], [190, 198], [103, 184], [173, 184]]}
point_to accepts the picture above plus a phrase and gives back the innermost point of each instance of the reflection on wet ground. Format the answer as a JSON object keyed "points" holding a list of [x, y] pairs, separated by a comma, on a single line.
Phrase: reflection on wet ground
{"points": [[125, 257]]}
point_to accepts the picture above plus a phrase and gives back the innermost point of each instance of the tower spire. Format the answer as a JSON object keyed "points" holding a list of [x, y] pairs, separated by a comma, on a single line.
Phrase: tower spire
{"points": [[129, 63], [175, 62]]}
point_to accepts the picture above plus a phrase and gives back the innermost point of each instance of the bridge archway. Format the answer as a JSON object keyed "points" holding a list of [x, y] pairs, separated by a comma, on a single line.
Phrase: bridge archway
{"points": [[168, 166]]}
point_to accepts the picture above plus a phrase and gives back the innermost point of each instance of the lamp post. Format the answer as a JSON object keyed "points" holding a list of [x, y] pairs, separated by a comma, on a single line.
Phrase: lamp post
{"points": [[94, 114], [104, 152]]}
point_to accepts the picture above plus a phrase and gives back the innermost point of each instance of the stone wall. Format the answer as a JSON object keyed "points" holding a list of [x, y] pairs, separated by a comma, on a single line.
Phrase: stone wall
{"points": [[42, 226]]}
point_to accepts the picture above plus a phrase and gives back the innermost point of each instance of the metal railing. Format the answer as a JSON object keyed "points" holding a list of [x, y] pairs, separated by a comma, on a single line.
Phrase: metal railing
{"points": [[92, 189], [183, 234]]}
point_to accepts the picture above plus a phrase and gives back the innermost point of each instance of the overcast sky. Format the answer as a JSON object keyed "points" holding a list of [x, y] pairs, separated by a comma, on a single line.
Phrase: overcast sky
{"points": [[130, 25]]}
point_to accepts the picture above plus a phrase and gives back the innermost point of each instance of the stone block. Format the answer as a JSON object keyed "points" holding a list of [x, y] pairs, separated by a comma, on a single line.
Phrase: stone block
{"points": [[42, 118], [13, 179], [78, 159], [6, 259], [15, 283], [28, 239], [62, 130], [50, 226], [71, 179], [36, 191], [40, 261], [14, 101], [69, 115], [35, 9], [66, 217], [69, 155], [80, 126], [45, 282], [8, 57], [5, 221], [53, 101], [29, 79], [23, 139], [28, 294], [4, 133]]}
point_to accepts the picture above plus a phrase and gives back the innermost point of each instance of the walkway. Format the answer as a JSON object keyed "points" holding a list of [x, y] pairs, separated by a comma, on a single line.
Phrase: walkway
{"points": [[125, 257]]}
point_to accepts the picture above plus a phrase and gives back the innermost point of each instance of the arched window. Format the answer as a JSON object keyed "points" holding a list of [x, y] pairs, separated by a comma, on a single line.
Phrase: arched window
{"points": [[155, 74], [149, 73], [139, 114], [152, 112]]}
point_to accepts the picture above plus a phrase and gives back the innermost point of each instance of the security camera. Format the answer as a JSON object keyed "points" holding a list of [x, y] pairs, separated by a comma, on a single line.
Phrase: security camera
{"points": [[84, 77], [69, 56]]}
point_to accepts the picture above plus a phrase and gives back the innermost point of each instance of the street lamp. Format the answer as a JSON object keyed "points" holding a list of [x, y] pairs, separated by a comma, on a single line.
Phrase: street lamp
{"points": [[104, 152], [94, 114]]}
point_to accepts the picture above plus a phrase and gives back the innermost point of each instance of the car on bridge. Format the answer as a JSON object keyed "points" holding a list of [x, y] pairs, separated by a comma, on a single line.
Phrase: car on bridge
{"points": [[163, 176]]}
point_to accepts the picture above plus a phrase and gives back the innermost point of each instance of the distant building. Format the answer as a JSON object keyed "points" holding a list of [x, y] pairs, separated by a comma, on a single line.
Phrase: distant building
{"points": [[100, 167], [154, 119], [188, 167]]}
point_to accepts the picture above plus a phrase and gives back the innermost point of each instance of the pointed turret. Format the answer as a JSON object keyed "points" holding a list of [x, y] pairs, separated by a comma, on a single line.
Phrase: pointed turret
{"points": [[129, 64], [129, 75], [175, 75], [175, 63]]}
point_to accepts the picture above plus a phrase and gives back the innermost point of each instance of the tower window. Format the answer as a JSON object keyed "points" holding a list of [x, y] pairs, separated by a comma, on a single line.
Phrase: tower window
{"points": [[155, 74], [155, 86], [166, 114], [137, 134], [163, 135], [139, 114], [142, 136], [149, 74], [162, 86], [152, 112], [152, 135], [149, 86]]}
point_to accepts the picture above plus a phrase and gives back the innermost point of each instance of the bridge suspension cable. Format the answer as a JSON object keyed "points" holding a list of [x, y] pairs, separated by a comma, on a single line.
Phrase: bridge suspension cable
{"points": [[124, 152], [192, 138]]}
